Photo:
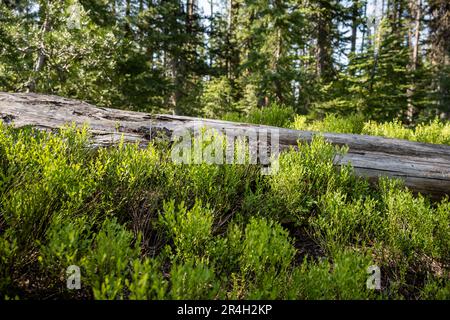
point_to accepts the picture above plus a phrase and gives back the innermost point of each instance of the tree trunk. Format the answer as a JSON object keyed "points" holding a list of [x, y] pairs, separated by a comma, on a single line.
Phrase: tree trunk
{"points": [[190, 16], [40, 60], [414, 36], [440, 31], [233, 57], [425, 168], [128, 17], [439, 39], [355, 24], [276, 67], [365, 29], [179, 59], [211, 25], [324, 50], [376, 55]]}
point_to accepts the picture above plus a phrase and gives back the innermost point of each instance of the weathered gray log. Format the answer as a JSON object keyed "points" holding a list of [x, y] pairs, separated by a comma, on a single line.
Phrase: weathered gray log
{"points": [[425, 168]]}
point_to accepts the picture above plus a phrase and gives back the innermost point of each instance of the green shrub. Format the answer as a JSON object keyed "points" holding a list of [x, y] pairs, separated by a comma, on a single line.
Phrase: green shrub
{"points": [[302, 177], [222, 186], [267, 253], [128, 165], [107, 265], [226, 250], [266, 248], [331, 123], [442, 231], [28, 210], [341, 223], [67, 243], [436, 289], [411, 225], [147, 281], [194, 281], [433, 132], [393, 129], [190, 230], [8, 252], [125, 175], [51, 174], [344, 279], [273, 115], [62, 203]]}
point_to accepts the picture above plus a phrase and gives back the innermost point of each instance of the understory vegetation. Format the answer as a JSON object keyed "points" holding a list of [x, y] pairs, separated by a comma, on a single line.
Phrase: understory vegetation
{"points": [[433, 131], [140, 226]]}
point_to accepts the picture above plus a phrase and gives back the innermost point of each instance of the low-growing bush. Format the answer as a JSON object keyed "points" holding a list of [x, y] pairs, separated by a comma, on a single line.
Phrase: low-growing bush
{"points": [[223, 186], [331, 123], [393, 129], [108, 263], [266, 256], [411, 225], [227, 249], [190, 230], [140, 226], [266, 248], [193, 280], [435, 131], [8, 252], [344, 278], [340, 222], [303, 176], [68, 242], [147, 281], [436, 289], [273, 115]]}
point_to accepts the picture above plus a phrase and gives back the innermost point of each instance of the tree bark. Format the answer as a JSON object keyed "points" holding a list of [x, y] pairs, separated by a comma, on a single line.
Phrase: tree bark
{"points": [[233, 56], [128, 17], [415, 7], [354, 26], [439, 40], [424, 168], [365, 27], [40, 60], [324, 51]]}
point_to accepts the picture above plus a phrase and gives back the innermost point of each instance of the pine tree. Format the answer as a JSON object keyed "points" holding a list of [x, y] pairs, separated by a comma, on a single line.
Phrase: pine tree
{"points": [[439, 41]]}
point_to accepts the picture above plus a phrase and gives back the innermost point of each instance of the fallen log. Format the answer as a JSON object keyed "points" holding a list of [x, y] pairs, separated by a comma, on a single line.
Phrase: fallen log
{"points": [[424, 167]]}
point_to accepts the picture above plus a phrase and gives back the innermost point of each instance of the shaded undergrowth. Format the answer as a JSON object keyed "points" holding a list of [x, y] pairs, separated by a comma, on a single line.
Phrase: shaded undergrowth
{"points": [[140, 226]]}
